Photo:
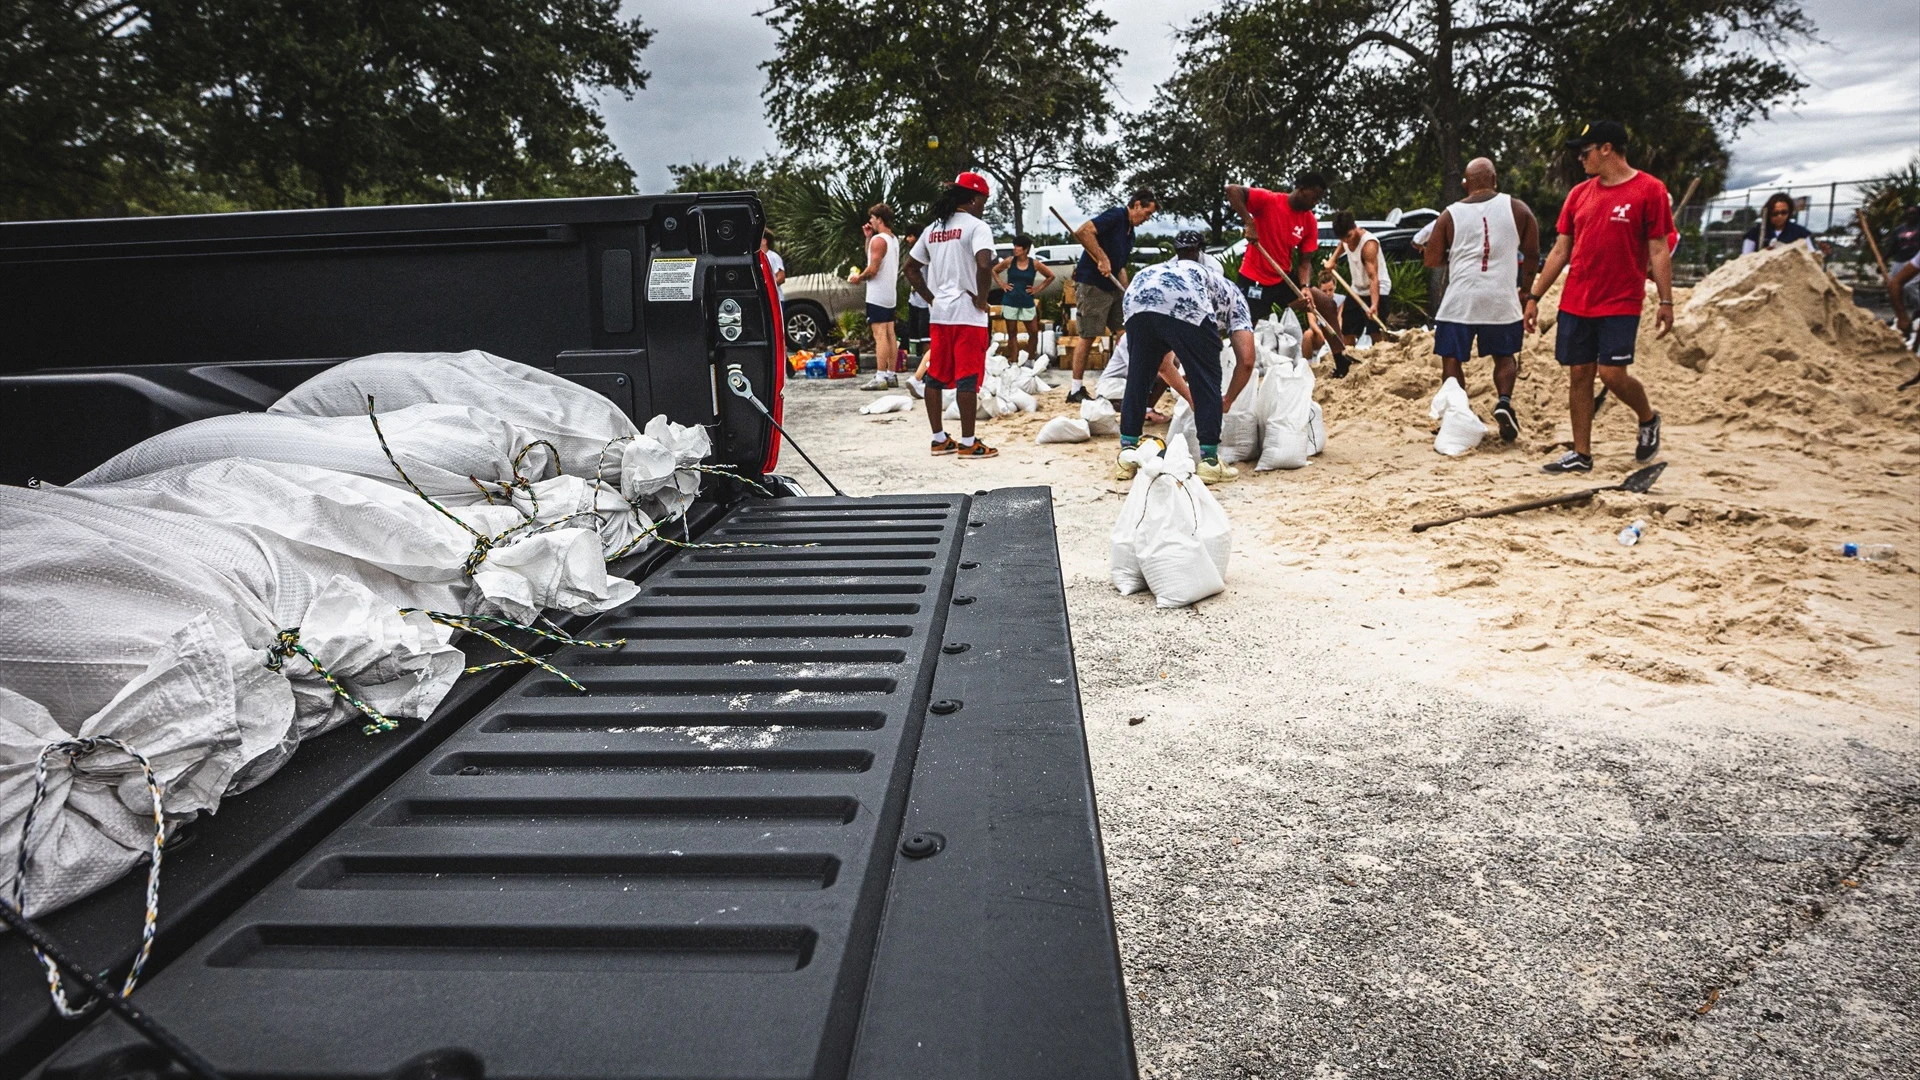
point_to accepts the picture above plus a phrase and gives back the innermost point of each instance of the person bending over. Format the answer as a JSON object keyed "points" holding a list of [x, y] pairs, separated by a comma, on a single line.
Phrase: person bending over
{"points": [[1101, 276], [1280, 223], [1366, 274], [1177, 306]]}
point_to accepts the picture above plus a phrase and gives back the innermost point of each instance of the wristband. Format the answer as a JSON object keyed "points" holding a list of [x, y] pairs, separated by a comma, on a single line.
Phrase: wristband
{"points": [[1666, 303], [1535, 297]]}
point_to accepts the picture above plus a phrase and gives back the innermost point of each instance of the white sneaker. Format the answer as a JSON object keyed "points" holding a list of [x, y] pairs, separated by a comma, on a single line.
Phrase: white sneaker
{"points": [[917, 388], [878, 382]]}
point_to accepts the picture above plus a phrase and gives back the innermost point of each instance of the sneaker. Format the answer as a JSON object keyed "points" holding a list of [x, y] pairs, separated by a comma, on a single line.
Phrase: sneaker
{"points": [[878, 382], [1123, 470], [917, 388], [1213, 472], [1509, 424], [1649, 444], [1076, 395], [979, 449], [1569, 462], [950, 446]]}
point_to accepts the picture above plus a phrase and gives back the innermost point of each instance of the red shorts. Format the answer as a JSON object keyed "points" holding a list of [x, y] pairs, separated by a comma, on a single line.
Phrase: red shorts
{"points": [[958, 356]]}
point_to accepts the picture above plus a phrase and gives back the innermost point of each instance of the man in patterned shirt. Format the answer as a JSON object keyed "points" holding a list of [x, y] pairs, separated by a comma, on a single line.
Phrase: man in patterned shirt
{"points": [[1181, 305]]}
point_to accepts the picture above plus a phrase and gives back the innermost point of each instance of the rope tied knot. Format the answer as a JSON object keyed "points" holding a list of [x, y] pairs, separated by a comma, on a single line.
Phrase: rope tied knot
{"points": [[287, 643]]}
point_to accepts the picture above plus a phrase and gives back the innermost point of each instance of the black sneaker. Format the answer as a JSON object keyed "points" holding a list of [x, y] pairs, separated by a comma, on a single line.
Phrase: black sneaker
{"points": [[1341, 365], [1570, 462], [1649, 444], [1076, 395], [1509, 424]]}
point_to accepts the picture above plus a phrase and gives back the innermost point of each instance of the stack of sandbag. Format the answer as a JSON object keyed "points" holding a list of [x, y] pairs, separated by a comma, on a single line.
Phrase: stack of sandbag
{"points": [[1460, 430], [1293, 428], [1172, 537], [192, 641], [475, 558]]}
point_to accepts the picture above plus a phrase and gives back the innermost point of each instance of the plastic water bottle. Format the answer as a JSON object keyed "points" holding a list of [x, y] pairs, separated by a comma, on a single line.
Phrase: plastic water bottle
{"points": [[1869, 552], [1630, 535]]}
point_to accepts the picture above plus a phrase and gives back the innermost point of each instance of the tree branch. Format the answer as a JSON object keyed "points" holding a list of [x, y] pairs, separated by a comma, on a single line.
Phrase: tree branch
{"points": [[1395, 41]]}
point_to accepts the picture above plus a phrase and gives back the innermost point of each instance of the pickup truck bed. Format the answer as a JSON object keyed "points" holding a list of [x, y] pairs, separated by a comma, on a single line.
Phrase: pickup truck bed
{"points": [[827, 813]]}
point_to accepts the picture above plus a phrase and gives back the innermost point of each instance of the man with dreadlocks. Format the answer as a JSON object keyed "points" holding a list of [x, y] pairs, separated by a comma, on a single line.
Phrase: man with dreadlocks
{"points": [[951, 266]]}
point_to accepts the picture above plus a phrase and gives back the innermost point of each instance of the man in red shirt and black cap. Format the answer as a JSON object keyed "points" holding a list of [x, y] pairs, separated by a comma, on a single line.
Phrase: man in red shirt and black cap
{"points": [[1281, 223], [1613, 229]]}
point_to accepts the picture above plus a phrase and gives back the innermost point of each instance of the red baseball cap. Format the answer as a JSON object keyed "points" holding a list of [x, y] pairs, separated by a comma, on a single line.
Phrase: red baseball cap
{"points": [[973, 181]]}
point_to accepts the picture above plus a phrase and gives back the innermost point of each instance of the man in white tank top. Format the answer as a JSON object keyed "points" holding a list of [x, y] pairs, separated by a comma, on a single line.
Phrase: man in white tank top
{"points": [[881, 275], [1366, 271], [1490, 245]]}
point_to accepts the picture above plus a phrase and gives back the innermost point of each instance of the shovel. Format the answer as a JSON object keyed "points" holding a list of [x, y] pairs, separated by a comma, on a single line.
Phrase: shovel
{"points": [[1638, 483]]}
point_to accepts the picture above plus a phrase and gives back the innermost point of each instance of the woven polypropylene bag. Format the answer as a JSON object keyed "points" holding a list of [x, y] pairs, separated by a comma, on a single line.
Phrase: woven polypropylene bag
{"points": [[578, 421], [443, 448]]}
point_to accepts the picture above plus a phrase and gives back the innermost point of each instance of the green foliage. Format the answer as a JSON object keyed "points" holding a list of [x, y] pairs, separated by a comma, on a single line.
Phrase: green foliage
{"points": [[1391, 99], [1012, 89], [851, 325], [174, 105], [1885, 199], [818, 214], [729, 175], [1409, 278]]}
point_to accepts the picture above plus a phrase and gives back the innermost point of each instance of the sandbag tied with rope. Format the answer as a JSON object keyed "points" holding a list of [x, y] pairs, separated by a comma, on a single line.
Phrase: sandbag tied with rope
{"points": [[90, 592], [455, 453], [1172, 537], [577, 422]]}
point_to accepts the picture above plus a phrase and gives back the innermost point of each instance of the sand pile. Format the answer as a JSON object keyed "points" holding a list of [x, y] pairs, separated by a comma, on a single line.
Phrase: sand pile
{"points": [[1767, 342]]}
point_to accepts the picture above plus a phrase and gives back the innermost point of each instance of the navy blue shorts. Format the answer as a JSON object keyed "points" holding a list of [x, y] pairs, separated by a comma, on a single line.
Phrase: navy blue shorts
{"points": [[877, 314], [1454, 340], [1600, 339]]}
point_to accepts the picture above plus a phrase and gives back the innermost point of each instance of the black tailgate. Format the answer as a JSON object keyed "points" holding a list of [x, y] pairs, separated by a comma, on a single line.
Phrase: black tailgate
{"points": [[697, 870]]}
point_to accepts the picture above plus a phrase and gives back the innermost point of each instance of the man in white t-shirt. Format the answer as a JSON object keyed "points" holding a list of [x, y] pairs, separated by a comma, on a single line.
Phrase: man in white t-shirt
{"points": [[951, 266]]}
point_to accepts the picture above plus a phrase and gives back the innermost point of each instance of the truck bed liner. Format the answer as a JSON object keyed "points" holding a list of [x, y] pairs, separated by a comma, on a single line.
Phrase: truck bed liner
{"points": [[826, 813]]}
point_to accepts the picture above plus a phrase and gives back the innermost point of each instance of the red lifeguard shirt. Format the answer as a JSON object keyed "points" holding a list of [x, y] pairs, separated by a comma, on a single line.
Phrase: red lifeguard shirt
{"points": [[1282, 231], [1610, 227]]}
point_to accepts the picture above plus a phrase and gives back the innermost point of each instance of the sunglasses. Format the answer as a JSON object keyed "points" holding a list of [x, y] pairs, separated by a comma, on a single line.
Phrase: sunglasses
{"points": [[1585, 150]]}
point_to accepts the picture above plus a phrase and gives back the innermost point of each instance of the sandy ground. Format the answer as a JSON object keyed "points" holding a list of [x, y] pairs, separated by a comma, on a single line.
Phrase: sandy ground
{"points": [[1507, 798]]}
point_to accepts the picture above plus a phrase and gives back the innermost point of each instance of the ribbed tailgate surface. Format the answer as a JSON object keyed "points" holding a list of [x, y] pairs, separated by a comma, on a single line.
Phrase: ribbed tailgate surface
{"points": [[676, 875]]}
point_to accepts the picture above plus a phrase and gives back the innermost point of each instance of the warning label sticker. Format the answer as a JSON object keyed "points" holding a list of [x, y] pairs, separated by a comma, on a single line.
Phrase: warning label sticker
{"points": [[670, 280]]}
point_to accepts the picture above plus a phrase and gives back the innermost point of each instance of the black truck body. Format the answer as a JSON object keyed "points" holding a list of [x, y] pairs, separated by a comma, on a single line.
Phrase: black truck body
{"points": [[827, 813]]}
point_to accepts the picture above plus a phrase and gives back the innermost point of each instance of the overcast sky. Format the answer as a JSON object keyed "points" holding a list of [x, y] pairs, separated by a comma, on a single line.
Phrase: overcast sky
{"points": [[1860, 116]]}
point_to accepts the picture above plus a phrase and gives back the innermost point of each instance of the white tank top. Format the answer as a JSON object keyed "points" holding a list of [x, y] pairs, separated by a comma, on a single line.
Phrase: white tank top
{"points": [[880, 288], [1357, 268], [1483, 282]]}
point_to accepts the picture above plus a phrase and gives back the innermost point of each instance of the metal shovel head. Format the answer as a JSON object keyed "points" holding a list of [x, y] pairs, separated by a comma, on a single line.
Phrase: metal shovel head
{"points": [[1642, 480]]}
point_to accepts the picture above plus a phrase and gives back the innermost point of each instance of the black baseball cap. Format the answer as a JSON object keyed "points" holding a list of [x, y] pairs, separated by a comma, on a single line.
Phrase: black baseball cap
{"points": [[1188, 240], [1600, 131]]}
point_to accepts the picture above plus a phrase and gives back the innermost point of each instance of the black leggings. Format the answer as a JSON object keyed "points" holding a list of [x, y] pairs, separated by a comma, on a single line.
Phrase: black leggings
{"points": [[1149, 336]]}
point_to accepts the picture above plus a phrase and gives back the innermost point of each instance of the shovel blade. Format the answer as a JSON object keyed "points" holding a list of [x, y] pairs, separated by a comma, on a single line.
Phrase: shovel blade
{"points": [[1641, 481]]}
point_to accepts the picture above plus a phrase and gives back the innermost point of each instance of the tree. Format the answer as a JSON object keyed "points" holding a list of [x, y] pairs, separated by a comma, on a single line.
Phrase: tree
{"points": [[1388, 95], [818, 212], [69, 114], [303, 102], [1016, 90]]}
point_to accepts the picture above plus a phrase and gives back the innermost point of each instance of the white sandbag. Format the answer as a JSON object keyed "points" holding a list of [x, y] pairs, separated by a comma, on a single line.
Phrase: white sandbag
{"points": [[576, 420], [1290, 326], [1063, 429], [1460, 430], [1240, 426], [1024, 401], [91, 592], [689, 446], [1286, 407], [887, 403], [1101, 417], [1182, 428], [1123, 556], [443, 448], [1180, 537], [183, 713], [1316, 430], [392, 529]]}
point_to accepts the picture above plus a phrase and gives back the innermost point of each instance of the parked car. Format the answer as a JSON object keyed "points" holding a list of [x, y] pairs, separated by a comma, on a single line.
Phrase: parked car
{"points": [[812, 304]]}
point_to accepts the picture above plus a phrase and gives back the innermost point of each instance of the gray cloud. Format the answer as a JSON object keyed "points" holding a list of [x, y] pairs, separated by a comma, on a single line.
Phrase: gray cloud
{"points": [[1860, 115]]}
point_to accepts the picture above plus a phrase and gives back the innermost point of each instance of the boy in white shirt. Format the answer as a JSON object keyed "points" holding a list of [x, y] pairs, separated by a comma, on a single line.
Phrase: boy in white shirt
{"points": [[951, 266]]}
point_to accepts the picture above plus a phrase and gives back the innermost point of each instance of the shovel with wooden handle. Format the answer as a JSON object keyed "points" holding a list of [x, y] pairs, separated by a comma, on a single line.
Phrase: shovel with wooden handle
{"points": [[1069, 228], [1638, 483], [1386, 335], [1313, 316]]}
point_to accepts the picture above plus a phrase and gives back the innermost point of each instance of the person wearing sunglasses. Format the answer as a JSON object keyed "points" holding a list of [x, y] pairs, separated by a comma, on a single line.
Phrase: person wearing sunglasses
{"points": [[1775, 227]]}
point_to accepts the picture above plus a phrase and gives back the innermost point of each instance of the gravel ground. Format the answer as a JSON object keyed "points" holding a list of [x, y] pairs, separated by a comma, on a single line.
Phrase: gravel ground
{"points": [[1348, 840]]}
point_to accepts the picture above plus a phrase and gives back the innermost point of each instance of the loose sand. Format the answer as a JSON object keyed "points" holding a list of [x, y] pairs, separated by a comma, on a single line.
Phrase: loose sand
{"points": [[1506, 798]]}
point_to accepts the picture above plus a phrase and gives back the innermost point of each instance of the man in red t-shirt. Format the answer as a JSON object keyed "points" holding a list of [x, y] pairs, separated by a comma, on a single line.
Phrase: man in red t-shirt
{"points": [[1281, 223], [1613, 230]]}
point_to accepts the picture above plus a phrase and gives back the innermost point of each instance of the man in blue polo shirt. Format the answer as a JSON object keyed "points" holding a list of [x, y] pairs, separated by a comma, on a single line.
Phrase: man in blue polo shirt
{"points": [[1101, 277]]}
